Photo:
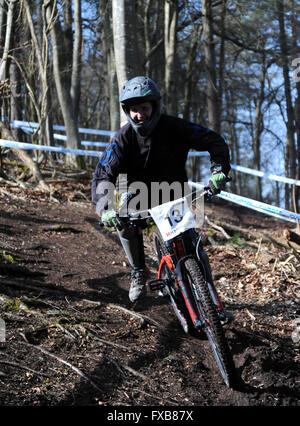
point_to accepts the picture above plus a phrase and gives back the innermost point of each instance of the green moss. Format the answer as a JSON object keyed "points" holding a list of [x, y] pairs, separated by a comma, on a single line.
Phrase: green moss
{"points": [[8, 257], [237, 240], [12, 305]]}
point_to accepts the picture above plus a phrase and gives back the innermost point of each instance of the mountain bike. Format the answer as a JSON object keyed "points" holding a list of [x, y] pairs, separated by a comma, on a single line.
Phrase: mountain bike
{"points": [[184, 277]]}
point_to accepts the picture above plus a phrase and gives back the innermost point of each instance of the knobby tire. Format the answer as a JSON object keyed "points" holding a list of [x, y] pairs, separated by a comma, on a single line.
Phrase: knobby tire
{"points": [[213, 327]]}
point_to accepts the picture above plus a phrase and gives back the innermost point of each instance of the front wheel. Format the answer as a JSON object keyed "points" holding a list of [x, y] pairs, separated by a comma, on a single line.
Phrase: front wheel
{"points": [[212, 325], [171, 289]]}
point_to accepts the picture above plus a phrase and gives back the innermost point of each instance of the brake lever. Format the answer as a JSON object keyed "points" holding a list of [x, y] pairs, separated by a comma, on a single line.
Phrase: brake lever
{"points": [[120, 224], [208, 194]]}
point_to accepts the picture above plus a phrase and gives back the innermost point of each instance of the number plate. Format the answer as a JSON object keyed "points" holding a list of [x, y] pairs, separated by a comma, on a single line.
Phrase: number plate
{"points": [[173, 218]]}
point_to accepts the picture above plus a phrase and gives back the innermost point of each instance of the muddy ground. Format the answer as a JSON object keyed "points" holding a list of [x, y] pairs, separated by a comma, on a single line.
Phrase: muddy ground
{"points": [[72, 338]]}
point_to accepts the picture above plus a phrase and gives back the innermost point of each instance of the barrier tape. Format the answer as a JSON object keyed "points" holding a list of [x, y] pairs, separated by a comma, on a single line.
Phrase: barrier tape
{"points": [[256, 205], [253, 172], [102, 144], [23, 145], [265, 175], [28, 126], [261, 207], [246, 202], [29, 130]]}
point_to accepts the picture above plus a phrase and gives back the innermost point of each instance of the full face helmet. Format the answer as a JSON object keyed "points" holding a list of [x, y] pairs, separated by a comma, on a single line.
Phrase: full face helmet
{"points": [[139, 90]]}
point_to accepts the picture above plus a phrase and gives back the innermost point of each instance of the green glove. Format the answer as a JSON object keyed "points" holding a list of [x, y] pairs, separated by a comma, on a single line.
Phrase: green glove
{"points": [[109, 218], [217, 182]]}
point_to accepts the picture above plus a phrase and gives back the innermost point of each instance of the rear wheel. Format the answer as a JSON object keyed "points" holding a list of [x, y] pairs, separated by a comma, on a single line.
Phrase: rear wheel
{"points": [[172, 289], [212, 325]]}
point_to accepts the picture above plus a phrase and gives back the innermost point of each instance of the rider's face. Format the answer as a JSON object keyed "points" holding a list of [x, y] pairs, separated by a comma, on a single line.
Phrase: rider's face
{"points": [[140, 113]]}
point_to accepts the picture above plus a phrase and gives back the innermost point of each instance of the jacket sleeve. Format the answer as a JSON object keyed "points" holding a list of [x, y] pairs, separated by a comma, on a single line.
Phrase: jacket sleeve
{"points": [[105, 176], [204, 139]]}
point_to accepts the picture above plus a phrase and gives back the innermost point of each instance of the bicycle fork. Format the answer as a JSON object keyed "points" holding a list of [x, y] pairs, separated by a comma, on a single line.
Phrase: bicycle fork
{"points": [[198, 322], [161, 283]]}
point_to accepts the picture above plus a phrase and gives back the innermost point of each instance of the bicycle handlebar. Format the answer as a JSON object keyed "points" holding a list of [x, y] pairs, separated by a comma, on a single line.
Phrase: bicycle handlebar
{"points": [[207, 193]]}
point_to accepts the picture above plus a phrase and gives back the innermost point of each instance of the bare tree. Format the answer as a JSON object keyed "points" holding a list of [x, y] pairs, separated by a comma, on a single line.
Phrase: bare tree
{"points": [[295, 47], [290, 141], [127, 57], [8, 37], [61, 71], [114, 109], [171, 18], [40, 45], [210, 64], [258, 129]]}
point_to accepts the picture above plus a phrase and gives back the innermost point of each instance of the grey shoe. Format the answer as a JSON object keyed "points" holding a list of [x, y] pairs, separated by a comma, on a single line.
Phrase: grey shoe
{"points": [[137, 285], [163, 292]]}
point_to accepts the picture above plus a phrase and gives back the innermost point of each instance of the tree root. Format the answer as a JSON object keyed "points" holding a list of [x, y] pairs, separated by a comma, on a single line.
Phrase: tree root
{"points": [[61, 360]]}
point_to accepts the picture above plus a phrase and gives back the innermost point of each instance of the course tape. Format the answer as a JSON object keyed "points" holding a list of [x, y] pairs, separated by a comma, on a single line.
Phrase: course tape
{"points": [[265, 175], [256, 205], [22, 145], [253, 172], [30, 124], [29, 130], [28, 127], [246, 202]]}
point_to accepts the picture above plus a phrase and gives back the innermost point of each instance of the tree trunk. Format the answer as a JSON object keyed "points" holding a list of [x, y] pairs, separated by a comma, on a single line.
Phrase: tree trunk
{"points": [[62, 83], [8, 37], [114, 107], [291, 157], [221, 73], [2, 25], [258, 129], [15, 99], [295, 44], [77, 58], [188, 82], [40, 45], [127, 57], [25, 158], [171, 18], [230, 109], [147, 36], [210, 63]]}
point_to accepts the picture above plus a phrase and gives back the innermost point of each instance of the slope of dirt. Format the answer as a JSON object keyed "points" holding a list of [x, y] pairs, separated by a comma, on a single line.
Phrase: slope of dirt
{"points": [[72, 337]]}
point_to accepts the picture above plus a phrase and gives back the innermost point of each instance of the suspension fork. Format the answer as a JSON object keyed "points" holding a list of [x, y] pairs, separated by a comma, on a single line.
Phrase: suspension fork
{"points": [[206, 271], [167, 260], [186, 292]]}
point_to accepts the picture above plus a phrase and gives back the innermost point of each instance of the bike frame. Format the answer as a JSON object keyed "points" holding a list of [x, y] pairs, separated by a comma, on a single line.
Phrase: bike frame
{"points": [[174, 261]]}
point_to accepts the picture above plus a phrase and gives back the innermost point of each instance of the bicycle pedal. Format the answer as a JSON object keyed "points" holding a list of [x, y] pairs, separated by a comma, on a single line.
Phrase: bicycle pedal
{"points": [[155, 285]]}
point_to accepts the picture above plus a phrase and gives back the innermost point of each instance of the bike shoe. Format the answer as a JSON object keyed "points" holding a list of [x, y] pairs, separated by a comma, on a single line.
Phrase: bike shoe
{"points": [[163, 292], [226, 317], [137, 285]]}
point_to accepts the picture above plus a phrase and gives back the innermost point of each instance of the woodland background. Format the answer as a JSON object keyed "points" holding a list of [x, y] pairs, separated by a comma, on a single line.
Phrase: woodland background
{"points": [[233, 66]]}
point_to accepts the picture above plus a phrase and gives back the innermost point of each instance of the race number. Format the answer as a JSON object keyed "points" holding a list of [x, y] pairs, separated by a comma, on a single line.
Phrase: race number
{"points": [[173, 218]]}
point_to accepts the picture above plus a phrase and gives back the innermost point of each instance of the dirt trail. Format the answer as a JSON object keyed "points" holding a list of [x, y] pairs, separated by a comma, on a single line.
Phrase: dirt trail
{"points": [[71, 338]]}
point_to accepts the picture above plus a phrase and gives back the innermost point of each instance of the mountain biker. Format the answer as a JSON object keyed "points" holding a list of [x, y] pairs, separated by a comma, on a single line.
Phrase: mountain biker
{"points": [[151, 147]]}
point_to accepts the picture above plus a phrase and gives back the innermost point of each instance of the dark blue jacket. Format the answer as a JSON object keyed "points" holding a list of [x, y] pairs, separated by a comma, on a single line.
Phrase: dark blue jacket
{"points": [[159, 157]]}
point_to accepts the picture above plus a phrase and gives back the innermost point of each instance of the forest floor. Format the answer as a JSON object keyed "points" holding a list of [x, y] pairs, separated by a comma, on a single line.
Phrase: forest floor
{"points": [[73, 339]]}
